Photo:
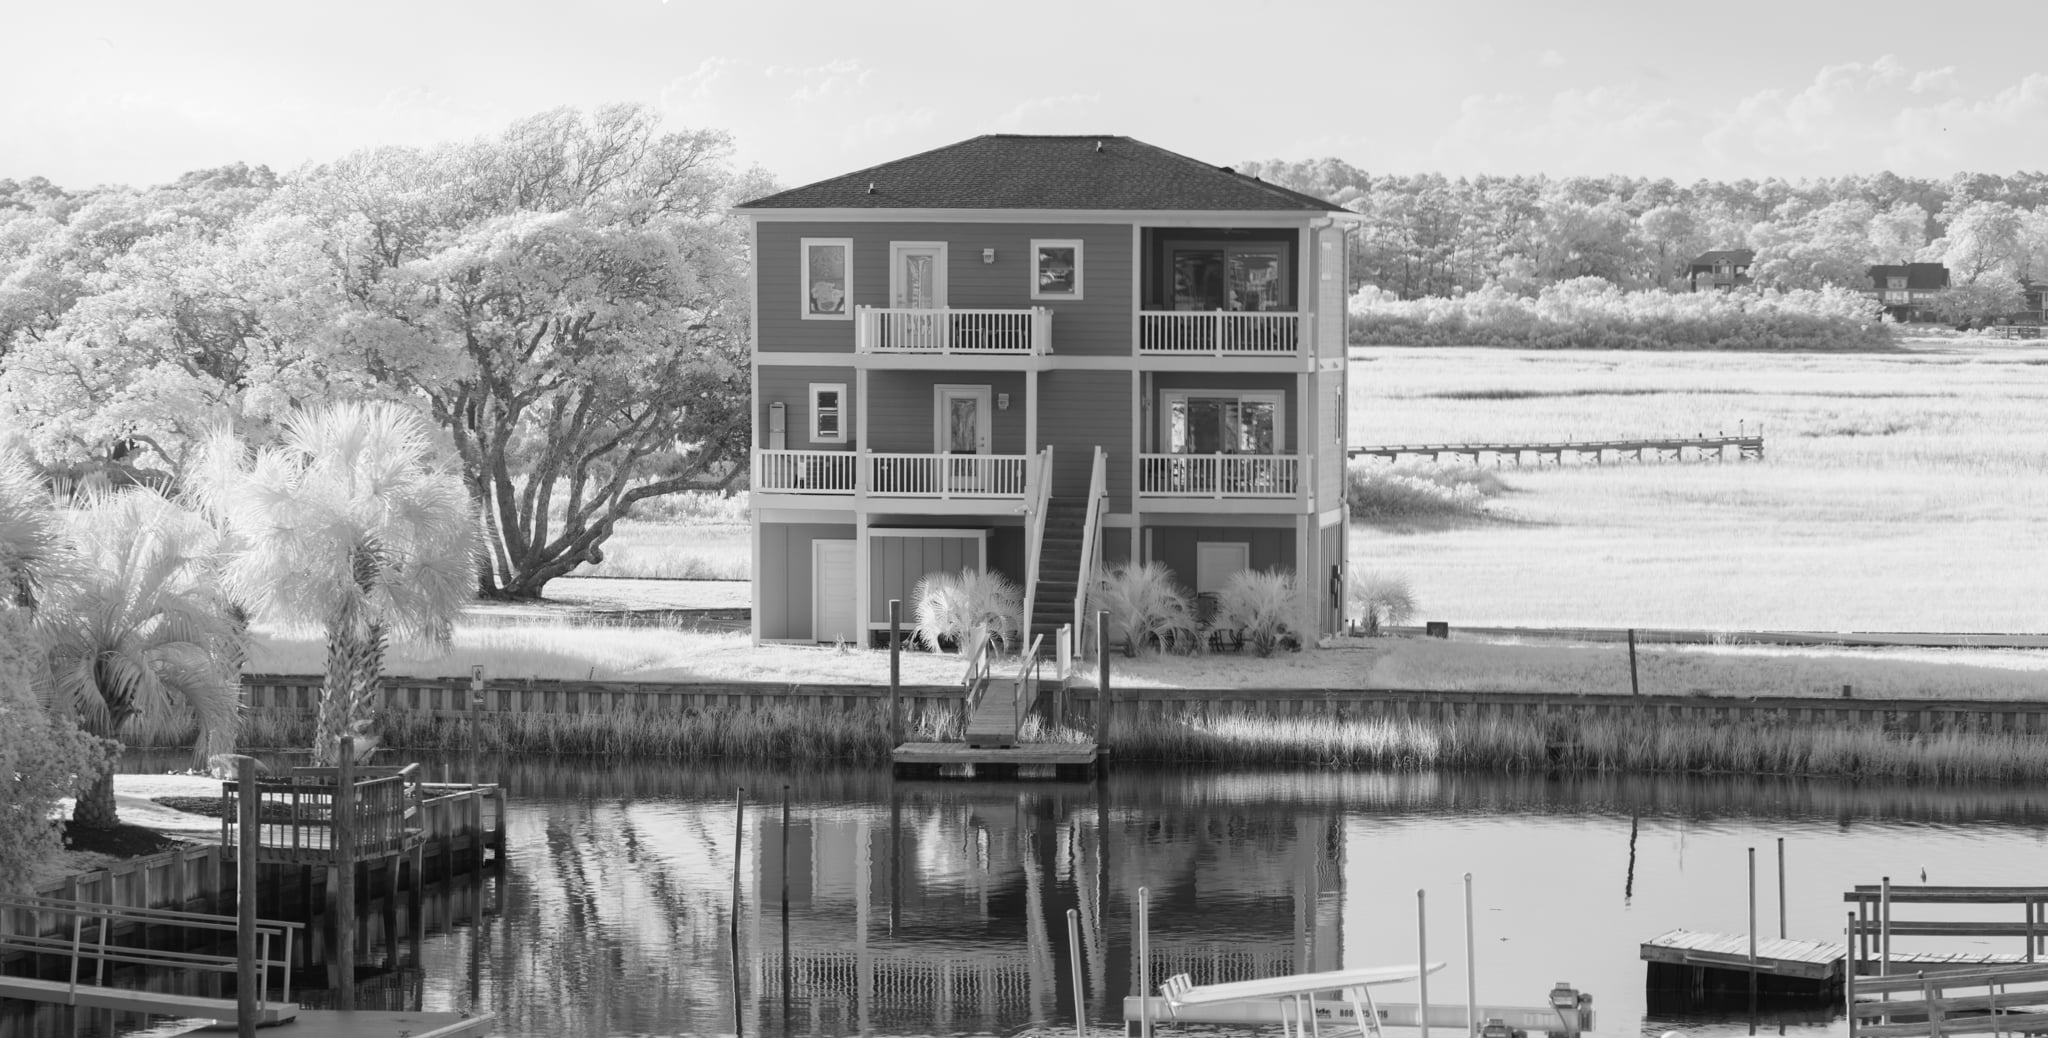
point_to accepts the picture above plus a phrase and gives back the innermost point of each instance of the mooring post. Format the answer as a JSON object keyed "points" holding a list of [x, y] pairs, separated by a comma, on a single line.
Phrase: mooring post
{"points": [[1633, 688], [1144, 962], [739, 835], [1422, 959], [1104, 715], [1074, 955], [1471, 970], [345, 875], [246, 995], [895, 670], [1781, 888], [1752, 927]]}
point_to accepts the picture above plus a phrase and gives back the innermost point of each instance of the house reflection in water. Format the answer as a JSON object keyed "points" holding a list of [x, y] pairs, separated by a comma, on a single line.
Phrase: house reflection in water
{"points": [[963, 927]]}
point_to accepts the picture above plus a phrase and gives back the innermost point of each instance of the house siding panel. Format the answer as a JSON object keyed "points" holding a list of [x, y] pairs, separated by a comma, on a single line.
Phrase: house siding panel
{"points": [[902, 419], [791, 387], [1331, 315], [1271, 546], [1079, 410], [784, 595], [898, 563], [1330, 460], [1098, 323], [1333, 555]]}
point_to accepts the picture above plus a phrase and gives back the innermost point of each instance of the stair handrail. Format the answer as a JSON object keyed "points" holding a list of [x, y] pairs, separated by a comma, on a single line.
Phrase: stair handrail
{"points": [[1091, 546], [104, 916], [1036, 497], [1027, 685], [976, 681]]}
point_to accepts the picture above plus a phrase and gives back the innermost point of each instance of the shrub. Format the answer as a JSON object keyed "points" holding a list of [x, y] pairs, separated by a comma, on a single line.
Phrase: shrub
{"points": [[1146, 609], [1417, 491], [1263, 605], [1589, 313], [967, 608], [1381, 600]]}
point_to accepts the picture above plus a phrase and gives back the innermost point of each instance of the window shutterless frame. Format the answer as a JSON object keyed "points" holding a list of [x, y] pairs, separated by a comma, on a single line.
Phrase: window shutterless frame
{"points": [[1055, 268], [828, 412], [825, 272]]}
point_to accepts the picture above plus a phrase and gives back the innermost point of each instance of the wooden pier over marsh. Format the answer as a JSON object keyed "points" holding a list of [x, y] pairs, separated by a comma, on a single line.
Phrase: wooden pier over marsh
{"points": [[1719, 447]]}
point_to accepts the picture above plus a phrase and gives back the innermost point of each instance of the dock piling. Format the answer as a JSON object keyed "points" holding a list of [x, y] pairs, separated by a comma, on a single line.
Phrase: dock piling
{"points": [[1074, 954], [1421, 960], [245, 898]]}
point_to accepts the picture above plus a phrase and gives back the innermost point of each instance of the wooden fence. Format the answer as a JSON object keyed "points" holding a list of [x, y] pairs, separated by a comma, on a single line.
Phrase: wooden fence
{"points": [[462, 697]]}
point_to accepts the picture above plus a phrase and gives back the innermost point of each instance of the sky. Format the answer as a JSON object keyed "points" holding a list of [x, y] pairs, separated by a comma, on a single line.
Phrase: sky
{"points": [[139, 91]]}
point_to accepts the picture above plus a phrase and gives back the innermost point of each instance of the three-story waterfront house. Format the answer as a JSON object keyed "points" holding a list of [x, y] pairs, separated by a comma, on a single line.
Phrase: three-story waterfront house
{"points": [[1042, 355]]}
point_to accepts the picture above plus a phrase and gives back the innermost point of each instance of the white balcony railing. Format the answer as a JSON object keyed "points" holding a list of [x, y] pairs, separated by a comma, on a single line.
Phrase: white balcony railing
{"points": [[805, 472], [1219, 475], [974, 332], [1218, 333], [948, 475], [893, 475]]}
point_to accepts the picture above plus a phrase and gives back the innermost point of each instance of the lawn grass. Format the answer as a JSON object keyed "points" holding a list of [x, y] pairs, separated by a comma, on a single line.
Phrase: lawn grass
{"points": [[1901, 491], [682, 548]]}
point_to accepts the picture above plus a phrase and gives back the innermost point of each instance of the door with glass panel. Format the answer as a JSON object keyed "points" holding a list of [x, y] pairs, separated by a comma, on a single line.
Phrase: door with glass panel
{"points": [[1248, 278], [961, 432], [917, 281], [1238, 431]]}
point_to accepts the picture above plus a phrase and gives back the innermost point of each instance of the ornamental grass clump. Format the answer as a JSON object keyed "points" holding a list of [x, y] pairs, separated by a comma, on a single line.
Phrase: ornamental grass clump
{"points": [[1263, 606], [1412, 492], [968, 609], [1147, 610], [1380, 600]]}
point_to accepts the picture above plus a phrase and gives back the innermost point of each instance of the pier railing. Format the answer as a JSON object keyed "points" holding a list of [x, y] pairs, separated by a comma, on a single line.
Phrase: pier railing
{"points": [[88, 933], [1746, 447]]}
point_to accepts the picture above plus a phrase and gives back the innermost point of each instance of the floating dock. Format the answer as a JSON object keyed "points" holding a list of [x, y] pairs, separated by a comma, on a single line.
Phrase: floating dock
{"points": [[1698, 963], [1061, 760], [1268, 1012]]}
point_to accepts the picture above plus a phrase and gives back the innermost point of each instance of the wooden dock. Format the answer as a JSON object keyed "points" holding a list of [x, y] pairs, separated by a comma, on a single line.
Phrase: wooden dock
{"points": [[1062, 760], [1597, 452], [1699, 962], [128, 1000]]}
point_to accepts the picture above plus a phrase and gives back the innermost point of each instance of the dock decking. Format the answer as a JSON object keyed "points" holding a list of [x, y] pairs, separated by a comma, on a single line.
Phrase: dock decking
{"points": [[1064, 760], [1657, 448], [1787, 965]]}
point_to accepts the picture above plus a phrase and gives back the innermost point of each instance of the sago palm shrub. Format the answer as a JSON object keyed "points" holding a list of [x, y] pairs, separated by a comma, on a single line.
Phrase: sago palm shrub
{"points": [[969, 608], [1263, 605], [1381, 600], [1147, 610], [140, 641], [355, 525]]}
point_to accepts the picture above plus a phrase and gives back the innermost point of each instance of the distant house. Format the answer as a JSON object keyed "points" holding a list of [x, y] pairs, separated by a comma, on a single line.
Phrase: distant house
{"points": [[2030, 319], [1721, 270], [1908, 291]]}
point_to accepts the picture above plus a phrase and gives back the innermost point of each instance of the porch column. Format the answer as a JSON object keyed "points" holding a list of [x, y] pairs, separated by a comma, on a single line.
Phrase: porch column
{"points": [[860, 437], [1031, 444], [1138, 555]]}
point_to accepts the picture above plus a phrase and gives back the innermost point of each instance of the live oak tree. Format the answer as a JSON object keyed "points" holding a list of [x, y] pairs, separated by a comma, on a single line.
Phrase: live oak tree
{"points": [[566, 301]]}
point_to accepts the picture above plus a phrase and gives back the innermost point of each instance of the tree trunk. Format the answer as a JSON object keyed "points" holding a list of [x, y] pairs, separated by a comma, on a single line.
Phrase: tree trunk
{"points": [[95, 808]]}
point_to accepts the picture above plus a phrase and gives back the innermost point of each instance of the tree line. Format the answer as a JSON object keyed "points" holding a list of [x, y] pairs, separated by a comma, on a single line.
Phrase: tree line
{"points": [[1428, 235], [565, 302]]}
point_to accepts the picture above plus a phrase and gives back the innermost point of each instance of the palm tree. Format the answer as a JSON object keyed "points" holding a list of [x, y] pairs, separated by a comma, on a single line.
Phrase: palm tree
{"points": [[33, 557], [355, 526], [139, 640]]}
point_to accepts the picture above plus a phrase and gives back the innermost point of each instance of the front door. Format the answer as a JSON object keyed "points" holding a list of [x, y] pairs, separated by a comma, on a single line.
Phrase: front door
{"points": [[835, 616], [961, 435]]}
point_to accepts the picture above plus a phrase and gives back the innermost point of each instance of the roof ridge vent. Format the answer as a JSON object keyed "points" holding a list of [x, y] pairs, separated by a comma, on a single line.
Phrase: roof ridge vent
{"points": [[871, 187], [1098, 145]]}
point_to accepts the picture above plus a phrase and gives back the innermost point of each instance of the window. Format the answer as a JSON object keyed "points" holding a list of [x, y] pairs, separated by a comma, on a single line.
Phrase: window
{"points": [[827, 278], [1244, 277], [828, 412], [1055, 268], [1201, 421], [1895, 283]]}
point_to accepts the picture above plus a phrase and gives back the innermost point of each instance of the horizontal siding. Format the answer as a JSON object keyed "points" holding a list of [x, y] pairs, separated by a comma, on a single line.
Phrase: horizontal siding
{"points": [[791, 387], [902, 415], [1331, 313], [1098, 323], [1078, 411], [1271, 546], [1330, 441], [782, 590]]}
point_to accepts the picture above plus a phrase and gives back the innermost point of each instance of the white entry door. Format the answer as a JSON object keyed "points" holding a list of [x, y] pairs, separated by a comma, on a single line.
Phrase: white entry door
{"points": [[960, 429], [1218, 561], [917, 275], [835, 614]]}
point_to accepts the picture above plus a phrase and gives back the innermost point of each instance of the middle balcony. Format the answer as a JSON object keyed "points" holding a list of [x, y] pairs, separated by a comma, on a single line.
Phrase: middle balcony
{"points": [[950, 332]]}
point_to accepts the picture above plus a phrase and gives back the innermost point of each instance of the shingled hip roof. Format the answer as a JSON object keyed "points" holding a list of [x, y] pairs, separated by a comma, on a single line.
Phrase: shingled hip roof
{"points": [[1017, 171]]}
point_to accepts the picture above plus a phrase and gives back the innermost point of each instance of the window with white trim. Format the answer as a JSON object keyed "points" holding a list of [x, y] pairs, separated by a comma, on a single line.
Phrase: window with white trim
{"points": [[828, 412], [826, 274], [1208, 421], [1055, 268]]}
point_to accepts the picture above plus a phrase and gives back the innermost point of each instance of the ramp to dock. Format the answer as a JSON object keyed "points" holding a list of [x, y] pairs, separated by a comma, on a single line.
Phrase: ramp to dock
{"points": [[127, 1000]]}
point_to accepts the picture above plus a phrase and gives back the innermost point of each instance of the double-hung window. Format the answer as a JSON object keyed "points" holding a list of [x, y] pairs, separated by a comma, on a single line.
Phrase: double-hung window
{"points": [[828, 412]]}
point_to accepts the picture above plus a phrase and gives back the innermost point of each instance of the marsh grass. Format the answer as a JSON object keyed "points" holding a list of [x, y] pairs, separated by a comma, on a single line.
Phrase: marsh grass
{"points": [[676, 549], [1600, 744], [1901, 490]]}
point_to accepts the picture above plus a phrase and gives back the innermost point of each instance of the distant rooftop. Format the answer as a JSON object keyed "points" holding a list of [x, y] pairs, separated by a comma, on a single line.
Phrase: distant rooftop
{"points": [[1019, 171]]}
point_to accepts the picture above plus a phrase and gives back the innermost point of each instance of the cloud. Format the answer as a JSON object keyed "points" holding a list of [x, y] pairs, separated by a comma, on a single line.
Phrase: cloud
{"points": [[1550, 59], [1848, 117], [878, 127], [1056, 113], [841, 78]]}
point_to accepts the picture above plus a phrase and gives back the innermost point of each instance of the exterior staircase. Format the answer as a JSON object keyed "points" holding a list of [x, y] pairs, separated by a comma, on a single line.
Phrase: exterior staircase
{"points": [[1059, 571]]}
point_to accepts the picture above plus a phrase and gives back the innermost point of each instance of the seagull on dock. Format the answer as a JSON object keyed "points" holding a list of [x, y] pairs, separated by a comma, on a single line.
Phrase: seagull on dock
{"points": [[1923, 873]]}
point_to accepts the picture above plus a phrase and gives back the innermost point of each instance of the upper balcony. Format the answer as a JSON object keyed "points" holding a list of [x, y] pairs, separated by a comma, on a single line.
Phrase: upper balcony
{"points": [[910, 482], [1218, 333], [1223, 482], [952, 333]]}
